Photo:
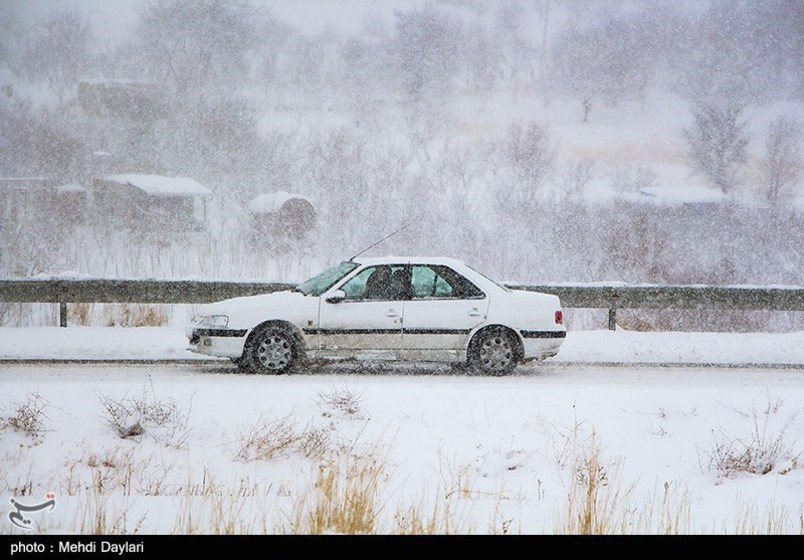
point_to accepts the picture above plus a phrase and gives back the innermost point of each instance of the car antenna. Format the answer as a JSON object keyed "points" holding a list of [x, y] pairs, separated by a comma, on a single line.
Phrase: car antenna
{"points": [[381, 240]]}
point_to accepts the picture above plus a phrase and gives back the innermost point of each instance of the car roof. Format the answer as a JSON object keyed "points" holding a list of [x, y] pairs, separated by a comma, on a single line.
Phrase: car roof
{"points": [[410, 260]]}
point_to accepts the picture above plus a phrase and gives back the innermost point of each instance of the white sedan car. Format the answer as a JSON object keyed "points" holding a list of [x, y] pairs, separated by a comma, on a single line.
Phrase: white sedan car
{"points": [[390, 308]]}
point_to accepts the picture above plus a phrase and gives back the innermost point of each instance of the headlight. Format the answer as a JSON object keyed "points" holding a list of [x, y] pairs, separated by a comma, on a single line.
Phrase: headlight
{"points": [[214, 321]]}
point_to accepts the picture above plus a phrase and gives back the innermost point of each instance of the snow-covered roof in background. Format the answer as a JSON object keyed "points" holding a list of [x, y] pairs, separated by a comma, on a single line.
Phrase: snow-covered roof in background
{"points": [[158, 185], [683, 194], [272, 202]]}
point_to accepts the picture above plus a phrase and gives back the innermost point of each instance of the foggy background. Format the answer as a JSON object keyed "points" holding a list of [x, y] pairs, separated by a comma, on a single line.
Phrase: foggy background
{"points": [[540, 141]]}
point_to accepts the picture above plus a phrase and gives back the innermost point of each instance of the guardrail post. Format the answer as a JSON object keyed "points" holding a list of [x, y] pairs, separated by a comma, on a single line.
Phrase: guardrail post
{"points": [[63, 314], [612, 318]]}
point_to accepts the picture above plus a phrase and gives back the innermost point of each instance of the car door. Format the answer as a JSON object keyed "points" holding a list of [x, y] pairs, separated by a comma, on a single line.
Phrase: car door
{"points": [[443, 309], [368, 322]]}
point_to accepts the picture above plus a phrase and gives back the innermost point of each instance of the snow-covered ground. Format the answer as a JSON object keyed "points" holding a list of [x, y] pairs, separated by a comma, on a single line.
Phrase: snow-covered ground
{"points": [[594, 346], [685, 449]]}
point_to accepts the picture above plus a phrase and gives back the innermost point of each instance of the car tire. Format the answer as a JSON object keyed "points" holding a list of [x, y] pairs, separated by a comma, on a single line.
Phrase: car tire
{"points": [[493, 351], [272, 350]]}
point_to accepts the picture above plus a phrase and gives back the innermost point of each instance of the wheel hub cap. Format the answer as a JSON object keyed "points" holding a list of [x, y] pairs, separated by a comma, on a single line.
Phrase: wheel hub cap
{"points": [[496, 353], [274, 352]]}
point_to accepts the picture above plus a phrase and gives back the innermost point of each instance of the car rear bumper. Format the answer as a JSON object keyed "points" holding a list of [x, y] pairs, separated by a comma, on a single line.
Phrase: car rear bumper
{"points": [[538, 345]]}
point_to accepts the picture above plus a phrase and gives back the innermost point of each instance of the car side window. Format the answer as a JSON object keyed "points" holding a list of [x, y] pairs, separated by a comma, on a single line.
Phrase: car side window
{"points": [[378, 283], [441, 282]]}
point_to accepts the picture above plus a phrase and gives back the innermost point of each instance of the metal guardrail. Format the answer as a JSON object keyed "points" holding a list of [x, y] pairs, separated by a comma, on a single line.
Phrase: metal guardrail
{"points": [[595, 296], [731, 298], [108, 290]]}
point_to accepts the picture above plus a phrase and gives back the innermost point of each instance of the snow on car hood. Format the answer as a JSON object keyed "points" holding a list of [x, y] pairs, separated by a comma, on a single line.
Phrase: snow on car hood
{"points": [[275, 300]]}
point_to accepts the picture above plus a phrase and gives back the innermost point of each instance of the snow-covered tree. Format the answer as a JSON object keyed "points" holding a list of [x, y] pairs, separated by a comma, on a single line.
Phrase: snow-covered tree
{"points": [[59, 54], [425, 52], [781, 167], [717, 143], [607, 62], [189, 47]]}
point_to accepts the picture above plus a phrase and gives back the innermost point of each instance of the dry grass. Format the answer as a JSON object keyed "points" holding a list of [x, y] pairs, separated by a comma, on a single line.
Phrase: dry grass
{"points": [[751, 520], [444, 516], [346, 495], [596, 500], [441, 518], [344, 499], [762, 451], [669, 516], [600, 502], [101, 514], [136, 315], [270, 439], [163, 418], [344, 401], [28, 416], [79, 313]]}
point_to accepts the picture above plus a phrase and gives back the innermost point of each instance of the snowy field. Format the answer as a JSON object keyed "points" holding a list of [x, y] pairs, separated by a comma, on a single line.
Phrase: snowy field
{"points": [[554, 448]]}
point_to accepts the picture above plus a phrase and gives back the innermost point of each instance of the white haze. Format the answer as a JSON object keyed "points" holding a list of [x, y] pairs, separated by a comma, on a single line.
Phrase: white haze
{"points": [[528, 138]]}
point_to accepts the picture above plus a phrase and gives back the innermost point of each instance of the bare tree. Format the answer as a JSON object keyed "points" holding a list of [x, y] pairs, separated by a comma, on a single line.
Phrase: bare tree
{"points": [[528, 156], [781, 166], [515, 50], [189, 47], [59, 55], [425, 52], [740, 51], [530, 153], [608, 62], [32, 142], [717, 144], [482, 59], [575, 177]]}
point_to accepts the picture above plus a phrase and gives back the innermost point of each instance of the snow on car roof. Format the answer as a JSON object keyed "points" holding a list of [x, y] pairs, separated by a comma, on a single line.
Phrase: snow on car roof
{"points": [[409, 259], [161, 186]]}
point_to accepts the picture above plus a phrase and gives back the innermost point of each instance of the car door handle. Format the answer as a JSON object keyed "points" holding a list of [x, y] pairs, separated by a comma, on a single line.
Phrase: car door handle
{"points": [[391, 313], [475, 312]]}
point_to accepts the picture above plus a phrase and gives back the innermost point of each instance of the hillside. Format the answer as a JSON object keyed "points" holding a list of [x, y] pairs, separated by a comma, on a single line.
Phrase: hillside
{"points": [[541, 141]]}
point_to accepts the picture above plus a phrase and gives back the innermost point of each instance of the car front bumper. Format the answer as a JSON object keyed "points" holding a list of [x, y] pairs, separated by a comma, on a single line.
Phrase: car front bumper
{"points": [[225, 343]]}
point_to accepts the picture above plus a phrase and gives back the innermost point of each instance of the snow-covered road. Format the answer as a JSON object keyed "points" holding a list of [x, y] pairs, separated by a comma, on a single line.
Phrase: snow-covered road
{"points": [[602, 346], [627, 376]]}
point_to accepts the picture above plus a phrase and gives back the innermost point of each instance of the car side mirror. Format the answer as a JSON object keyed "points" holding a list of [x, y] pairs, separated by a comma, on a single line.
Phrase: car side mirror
{"points": [[336, 297]]}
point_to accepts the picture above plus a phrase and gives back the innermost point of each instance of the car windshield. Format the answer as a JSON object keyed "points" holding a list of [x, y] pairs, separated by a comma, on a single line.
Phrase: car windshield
{"points": [[323, 281]]}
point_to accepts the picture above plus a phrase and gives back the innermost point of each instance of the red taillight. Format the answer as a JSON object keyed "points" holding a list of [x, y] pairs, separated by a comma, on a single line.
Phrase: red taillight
{"points": [[559, 317]]}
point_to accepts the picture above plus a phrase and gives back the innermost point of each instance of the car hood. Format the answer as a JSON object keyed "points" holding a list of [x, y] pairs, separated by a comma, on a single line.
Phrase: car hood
{"points": [[275, 300]]}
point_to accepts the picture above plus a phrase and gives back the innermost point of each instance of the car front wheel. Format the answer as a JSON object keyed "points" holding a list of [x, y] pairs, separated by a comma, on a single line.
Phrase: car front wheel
{"points": [[272, 350], [493, 352]]}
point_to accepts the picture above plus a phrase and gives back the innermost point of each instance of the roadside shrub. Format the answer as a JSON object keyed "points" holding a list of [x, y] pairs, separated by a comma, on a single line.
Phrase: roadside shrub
{"points": [[28, 416], [761, 452], [270, 439], [164, 419]]}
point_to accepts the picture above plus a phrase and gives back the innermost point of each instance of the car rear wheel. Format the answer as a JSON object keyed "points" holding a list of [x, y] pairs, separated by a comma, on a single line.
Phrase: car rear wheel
{"points": [[272, 350], [493, 352]]}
